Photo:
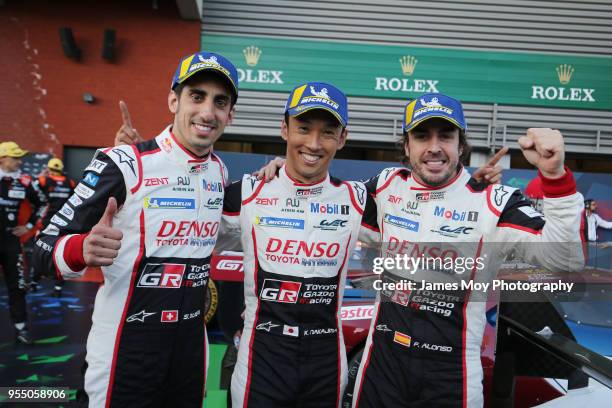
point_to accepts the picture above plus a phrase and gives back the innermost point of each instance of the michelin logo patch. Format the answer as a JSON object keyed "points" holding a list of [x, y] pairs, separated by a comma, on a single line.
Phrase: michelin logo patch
{"points": [[292, 223], [401, 222], [169, 203]]}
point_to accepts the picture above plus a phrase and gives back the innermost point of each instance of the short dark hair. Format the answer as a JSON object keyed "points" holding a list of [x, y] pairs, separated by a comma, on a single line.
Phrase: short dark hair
{"points": [[587, 203], [464, 145]]}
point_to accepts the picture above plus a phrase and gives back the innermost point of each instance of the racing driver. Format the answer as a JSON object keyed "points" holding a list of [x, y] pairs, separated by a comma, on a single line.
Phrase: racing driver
{"points": [[297, 232], [423, 348], [149, 215]]}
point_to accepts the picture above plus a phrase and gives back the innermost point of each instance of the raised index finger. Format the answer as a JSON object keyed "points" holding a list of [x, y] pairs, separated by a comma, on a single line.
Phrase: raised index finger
{"points": [[125, 114], [497, 157]]}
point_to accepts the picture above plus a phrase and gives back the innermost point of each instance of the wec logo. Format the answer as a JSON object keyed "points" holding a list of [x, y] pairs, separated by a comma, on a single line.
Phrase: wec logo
{"points": [[280, 291]]}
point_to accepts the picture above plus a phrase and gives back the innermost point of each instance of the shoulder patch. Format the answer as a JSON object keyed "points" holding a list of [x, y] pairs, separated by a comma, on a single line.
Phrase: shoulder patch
{"points": [[360, 192], [127, 160], [498, 195], [388, 172]]}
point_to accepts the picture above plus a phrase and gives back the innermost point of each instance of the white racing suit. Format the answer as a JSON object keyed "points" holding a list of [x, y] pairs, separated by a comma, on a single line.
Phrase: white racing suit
{"points": [[423, 347], [147, 345], [296, 240]]}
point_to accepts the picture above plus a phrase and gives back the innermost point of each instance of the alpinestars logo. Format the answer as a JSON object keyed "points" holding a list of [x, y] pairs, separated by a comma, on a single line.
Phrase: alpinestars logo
{"points": [[125, 158]]}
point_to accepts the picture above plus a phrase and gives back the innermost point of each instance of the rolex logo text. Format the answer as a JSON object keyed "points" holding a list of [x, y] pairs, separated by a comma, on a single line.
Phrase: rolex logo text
{"points": [[408, 65], [561, 93]]}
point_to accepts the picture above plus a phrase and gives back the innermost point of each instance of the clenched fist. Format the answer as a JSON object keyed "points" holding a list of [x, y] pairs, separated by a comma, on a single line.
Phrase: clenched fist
{"points": [[544, 148]]}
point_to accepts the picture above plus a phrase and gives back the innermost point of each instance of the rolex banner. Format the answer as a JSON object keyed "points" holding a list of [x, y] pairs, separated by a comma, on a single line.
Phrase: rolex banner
{"points": [[399, 71]]}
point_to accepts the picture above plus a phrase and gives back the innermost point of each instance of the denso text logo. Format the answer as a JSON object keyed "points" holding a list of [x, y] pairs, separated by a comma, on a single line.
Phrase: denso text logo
{"points": [[187, 233], [162, 276], [329, 208], [280, 291]]}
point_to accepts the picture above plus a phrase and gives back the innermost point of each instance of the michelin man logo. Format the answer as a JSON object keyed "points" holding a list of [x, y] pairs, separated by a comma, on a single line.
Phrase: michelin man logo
{"points": [[211, 60], [322, 93], [432, 103]]}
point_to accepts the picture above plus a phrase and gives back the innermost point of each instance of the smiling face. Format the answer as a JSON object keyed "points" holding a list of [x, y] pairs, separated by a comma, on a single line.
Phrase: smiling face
{"points": [[202, 109], [312, 141], [433, 151]]}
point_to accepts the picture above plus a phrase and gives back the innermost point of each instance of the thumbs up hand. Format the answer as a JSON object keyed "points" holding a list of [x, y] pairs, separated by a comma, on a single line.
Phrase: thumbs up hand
{"points": [[101, 246], [126, 133]]}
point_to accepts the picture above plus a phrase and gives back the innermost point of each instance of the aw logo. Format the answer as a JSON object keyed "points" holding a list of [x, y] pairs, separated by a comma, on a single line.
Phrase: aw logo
{"points": [[280, 291], [163, 276]]}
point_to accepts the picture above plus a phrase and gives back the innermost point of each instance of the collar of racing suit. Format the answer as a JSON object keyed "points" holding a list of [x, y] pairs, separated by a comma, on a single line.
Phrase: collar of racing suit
{"points": [[302, 190], [457, 181], [169, 145]]}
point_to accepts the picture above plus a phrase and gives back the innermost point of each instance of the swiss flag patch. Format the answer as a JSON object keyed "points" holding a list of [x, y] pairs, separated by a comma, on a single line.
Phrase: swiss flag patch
{"points": [[169, 316]]}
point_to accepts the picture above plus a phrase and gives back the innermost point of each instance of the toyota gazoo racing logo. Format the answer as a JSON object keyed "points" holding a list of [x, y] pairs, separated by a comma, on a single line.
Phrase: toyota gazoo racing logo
{"points": [[430, 195], [275, 290], [192, 233], [164, 276], [197, 276], [298, 252], [308, 192]]}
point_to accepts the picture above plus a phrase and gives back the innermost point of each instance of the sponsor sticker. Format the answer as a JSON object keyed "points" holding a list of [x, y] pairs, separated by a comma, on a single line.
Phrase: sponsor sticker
{"points": [[430, 195], [401, 222], [139, 317], [277, 222], [280, 291], [159, 203], [67, 212], [267, 326], [51, 230], [75, 200], [165, 276], [91, 179], [83, 191], [58, 220], [365, 312], [96, 166]]}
